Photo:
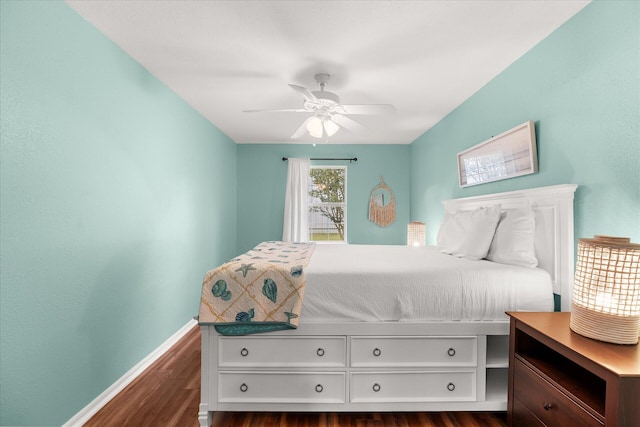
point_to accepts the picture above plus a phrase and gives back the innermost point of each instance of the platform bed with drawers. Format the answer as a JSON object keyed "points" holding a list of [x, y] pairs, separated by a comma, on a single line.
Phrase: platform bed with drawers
{"points": [[455, 363]]}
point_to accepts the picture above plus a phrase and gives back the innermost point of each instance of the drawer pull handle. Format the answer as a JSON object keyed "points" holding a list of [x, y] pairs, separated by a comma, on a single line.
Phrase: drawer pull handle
{"points": [[376, 387], [320, 352], [451, 386], [319, 388], [244, 388], [548, 406], [377, 352], [244, 352], [451, 352]]}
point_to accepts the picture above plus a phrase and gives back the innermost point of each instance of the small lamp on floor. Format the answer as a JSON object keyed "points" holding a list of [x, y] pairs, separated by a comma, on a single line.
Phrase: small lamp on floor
{"points": [[416, 232], [606, 290]]}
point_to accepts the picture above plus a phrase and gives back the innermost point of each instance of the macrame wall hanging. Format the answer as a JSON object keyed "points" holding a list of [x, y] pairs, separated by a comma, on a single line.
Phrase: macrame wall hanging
{"points": [[382, 205]]}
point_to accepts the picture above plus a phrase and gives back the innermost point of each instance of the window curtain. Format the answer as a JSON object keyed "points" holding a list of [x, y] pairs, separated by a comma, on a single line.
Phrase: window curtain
{"points": [[295, 228]]}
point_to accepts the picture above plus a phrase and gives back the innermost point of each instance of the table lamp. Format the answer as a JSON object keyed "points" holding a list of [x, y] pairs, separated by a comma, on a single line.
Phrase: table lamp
{"points": [[606, 290]]}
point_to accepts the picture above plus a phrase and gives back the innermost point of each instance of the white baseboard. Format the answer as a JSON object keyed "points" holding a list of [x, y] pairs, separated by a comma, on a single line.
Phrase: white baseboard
{"points": [[90, 410]]}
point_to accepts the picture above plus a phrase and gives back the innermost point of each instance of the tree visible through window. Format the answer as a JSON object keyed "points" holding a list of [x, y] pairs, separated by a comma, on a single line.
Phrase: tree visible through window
{"points": [[327, 203]]}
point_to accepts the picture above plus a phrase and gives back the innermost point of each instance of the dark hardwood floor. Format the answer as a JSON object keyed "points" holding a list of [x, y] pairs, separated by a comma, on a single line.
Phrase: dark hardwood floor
{"points": [[168, 394]]}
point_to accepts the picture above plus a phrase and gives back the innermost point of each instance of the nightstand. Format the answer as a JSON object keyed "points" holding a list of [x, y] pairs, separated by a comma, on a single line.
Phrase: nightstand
{"points": [[560, 378]]}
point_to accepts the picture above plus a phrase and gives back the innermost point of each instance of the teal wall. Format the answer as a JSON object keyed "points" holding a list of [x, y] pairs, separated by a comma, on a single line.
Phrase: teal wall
{"points": [[581, 86], [262, 177], [115, 196]]}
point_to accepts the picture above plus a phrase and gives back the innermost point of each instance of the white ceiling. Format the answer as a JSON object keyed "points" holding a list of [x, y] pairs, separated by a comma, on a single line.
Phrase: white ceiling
{"points": [[424, 57]]}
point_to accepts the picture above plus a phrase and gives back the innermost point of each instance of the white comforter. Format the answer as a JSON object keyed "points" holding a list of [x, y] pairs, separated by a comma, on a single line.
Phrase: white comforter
{"points": [[403, 283]]}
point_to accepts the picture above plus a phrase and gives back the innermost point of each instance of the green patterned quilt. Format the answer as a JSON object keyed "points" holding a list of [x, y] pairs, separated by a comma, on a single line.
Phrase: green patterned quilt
{"points": [[259, 291]]}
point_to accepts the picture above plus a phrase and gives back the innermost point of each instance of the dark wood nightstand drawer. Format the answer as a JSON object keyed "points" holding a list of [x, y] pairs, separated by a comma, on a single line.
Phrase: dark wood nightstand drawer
{"points": [[522, 416], [546, 402]]}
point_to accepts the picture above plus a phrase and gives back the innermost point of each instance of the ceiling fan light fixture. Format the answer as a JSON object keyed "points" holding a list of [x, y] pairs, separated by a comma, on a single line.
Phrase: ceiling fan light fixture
{"points": [[329, 115], [314, 126], [330, 127]]}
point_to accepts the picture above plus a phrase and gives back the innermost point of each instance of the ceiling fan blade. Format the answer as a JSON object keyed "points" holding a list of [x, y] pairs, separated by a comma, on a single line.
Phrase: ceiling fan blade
{"points": [[305, 92], [347, 123], [369, 109], [285, 110], [302, 129]]}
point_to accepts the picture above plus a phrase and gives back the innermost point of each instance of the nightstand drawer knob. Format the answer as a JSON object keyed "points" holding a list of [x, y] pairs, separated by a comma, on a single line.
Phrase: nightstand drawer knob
{"points": [[548, 406], [320, 352], [319, 388], [376, 387], [377, 352], [244, 388], [451, 386], [244, 352], [451, 352]]}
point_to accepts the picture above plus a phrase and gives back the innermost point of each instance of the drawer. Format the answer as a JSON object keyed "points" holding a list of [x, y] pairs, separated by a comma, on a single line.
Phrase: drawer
{"points": [[282, 387], [522, 416], [413, 351], [546, 402], [434, 386], [281, 351]]}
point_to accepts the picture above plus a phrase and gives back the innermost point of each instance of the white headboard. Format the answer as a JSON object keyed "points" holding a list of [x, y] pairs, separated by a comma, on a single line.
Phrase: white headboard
{"points": [[553, 206]]}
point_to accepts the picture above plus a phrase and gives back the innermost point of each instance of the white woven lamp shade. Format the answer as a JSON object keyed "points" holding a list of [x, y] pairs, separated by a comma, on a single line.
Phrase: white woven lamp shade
{"points": [[416, 232], [606, 290]]}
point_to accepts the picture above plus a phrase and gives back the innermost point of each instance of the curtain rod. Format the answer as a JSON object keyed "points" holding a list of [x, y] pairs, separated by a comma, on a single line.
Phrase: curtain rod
{"points": [[353, 159]]}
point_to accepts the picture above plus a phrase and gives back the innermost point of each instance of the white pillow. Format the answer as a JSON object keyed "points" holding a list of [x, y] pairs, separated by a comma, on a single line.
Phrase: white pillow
{"points": [[514, 241], [468, 234]]}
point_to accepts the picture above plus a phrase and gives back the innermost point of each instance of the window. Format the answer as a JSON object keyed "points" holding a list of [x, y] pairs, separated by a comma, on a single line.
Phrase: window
{"points": [[327, 203]]}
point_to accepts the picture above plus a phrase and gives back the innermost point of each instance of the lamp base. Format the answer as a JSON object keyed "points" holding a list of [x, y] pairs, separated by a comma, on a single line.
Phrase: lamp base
{"points": [[603, 326]]}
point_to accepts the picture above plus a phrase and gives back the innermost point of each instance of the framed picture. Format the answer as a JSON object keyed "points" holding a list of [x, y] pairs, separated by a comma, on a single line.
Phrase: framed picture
{"points": [[510, 154]]}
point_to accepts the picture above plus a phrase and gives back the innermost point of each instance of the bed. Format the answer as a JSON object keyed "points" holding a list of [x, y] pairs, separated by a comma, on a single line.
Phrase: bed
{"points": [[380, 340]]}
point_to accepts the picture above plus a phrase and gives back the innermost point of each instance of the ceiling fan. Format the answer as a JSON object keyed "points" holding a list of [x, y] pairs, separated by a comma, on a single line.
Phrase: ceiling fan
{"points": [[328, 114]]}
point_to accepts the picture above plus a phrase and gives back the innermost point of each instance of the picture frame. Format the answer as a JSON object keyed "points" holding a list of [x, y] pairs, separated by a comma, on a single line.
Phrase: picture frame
{"points": [[512, 153]]}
